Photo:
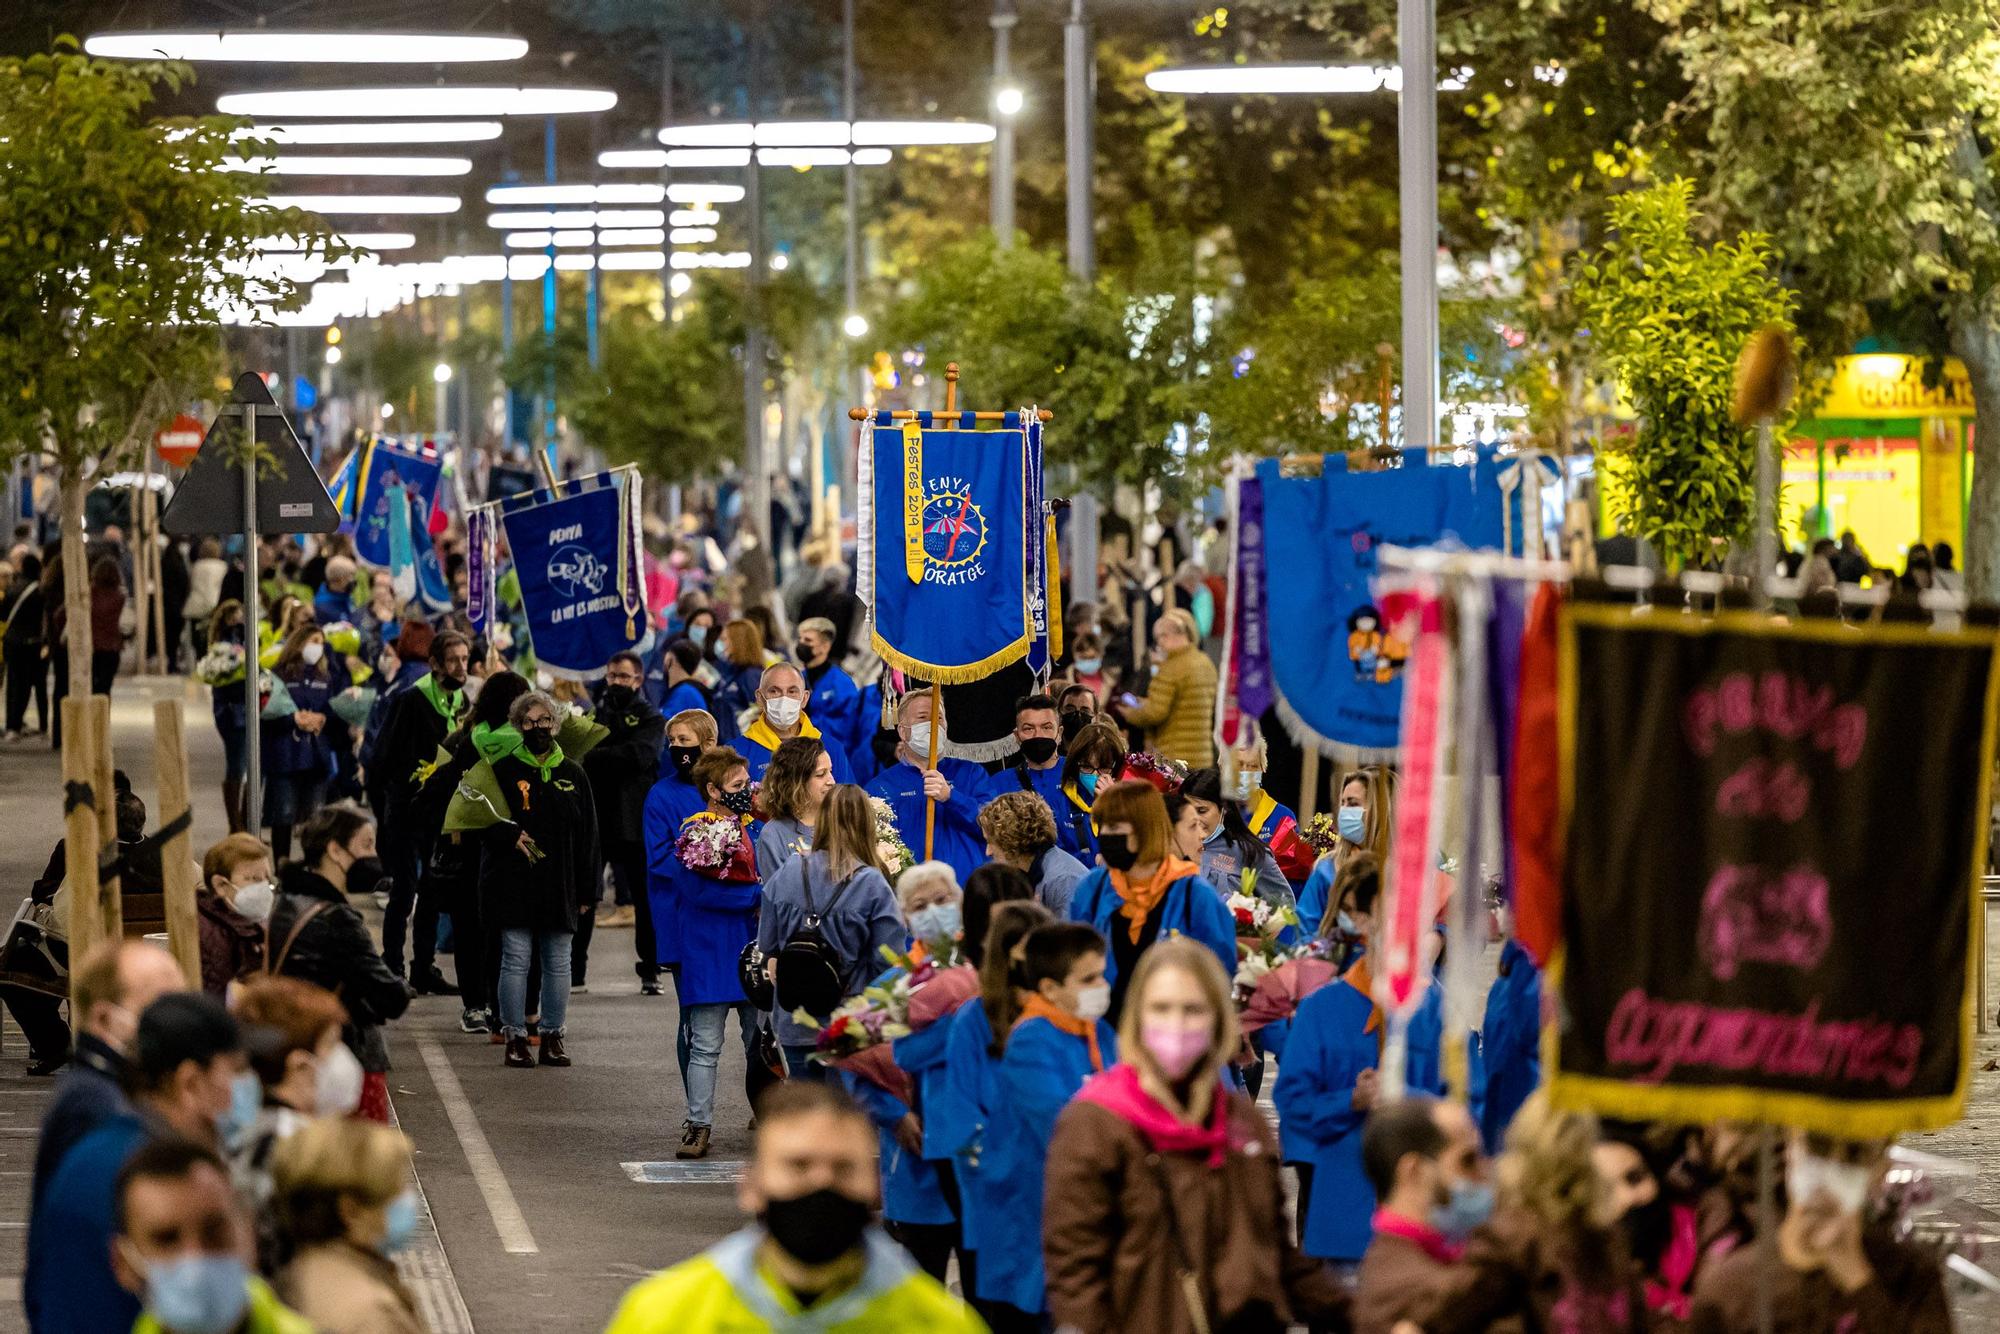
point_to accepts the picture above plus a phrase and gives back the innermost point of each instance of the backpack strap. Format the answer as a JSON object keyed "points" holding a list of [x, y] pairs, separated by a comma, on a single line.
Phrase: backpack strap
{"points": [[838, 890], [274, 963]]}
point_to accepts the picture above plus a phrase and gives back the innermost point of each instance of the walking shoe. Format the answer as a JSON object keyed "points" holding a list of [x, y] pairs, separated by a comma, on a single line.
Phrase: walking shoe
{"points": [[472, 1020], [694, 1142], [552, 1051], [495, 1036], [430, 982], [578, 989], [618, 916], [650, 986], [518, 1054]]}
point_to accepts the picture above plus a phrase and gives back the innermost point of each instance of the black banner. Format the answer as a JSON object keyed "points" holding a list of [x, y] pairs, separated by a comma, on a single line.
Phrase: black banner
{"points": [[1774, 839]]}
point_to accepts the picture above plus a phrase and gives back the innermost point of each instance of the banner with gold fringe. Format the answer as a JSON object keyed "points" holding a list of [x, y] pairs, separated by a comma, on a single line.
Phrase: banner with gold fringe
{"points": [[952, 502]]}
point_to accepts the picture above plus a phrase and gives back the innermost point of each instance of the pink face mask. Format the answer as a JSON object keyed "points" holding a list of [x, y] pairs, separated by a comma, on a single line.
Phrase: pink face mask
{"points": [[1175, 1050]]}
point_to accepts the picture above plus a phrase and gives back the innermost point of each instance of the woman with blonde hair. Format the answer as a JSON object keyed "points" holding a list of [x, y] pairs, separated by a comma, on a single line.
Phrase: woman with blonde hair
{"points": [[345, 1195], [1164, 1209], [740, 660], [1365, 814]]}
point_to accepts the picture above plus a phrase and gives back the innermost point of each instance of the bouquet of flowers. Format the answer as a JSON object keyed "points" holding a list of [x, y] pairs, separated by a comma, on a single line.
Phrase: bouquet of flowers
{"points": [[1146, 767], [222, 665], [889, 846], [714, 846], [1321, 833], [856, 1037], [342, 637], [1259, 947], [1274, 990]]}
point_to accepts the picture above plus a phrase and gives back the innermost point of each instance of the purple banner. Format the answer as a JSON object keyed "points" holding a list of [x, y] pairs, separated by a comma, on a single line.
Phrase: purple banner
{"points": [[479, 568], [1252, 611]]}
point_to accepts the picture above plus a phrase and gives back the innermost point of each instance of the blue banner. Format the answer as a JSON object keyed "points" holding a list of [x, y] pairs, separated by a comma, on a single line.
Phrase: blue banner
{"points": [[1336, 666], [578, 580], [381, 466], [946, 530]]}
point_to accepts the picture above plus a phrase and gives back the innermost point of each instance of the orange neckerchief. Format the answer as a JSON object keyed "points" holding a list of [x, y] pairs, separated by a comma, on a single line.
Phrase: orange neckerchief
{"points": [[1140, 900], [1362, 980], [1076, 1027]]}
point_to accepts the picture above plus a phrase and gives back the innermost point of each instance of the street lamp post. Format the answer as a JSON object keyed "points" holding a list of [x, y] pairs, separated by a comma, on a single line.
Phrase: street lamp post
{"points": [[1416, 43], [1079, 103], [1006, 105], [756, 470], [853, 323]]}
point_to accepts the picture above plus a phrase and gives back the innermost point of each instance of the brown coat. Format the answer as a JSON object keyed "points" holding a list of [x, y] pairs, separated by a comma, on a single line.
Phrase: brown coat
{"points": [[1178, 711], [1517, 1273], [1398, 1281], [1114, 1209], [231, 944], [343, 1289], [1907, 1296]]}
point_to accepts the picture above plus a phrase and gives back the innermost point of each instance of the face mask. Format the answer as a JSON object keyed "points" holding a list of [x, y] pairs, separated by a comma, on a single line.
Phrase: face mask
{"points": [[817, 1228], [1074, 721], [1118, 852], [805, 653], [1846, 1184], [337, 1084], [198, 1294], [620, 697], [1470, 1205], [940, 921], [1247, 782], [1352, 821], [1094, 1002], [1087, 783], [246, 1099], [683, 758], [920, 740], [699, 634], [1089, 666], [1345, 922], [1211, 835], [1038, 750], [1175, 1050], [254, 900], [538, 740], [399, 1224], [783, 712], [312, 653], [363, 874], [739, 801]]}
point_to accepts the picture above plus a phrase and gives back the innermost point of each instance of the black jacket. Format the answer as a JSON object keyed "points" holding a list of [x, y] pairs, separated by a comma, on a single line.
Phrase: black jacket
{"points": [[335, 951], [24, 619], [559, 815], [89, 1093], [410, 736], [622, 768]]}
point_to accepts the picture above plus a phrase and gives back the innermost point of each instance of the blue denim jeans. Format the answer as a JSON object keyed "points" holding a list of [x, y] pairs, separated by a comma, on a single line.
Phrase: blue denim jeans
{"points": [[707, 1028], [517, 945], [799, 1066]]}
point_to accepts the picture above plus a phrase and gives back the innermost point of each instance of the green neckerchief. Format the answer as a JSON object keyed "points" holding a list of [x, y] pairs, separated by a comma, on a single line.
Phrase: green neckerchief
{"points": [[496, 743], [450, 707]]}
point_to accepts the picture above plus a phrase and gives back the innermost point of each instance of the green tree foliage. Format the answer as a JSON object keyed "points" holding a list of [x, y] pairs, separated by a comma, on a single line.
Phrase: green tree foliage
{"points": [[119, 242], [670, 395], [1667, 316]]}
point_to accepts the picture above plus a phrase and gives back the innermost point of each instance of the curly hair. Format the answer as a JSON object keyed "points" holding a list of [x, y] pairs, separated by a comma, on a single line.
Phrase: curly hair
{"points": [[785, 778], [1020, 824], [1547, 1169]]}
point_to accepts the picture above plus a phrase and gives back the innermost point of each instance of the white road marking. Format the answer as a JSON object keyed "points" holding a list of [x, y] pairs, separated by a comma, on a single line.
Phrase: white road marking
{"points": [[676, 1172], [508, 1221]]}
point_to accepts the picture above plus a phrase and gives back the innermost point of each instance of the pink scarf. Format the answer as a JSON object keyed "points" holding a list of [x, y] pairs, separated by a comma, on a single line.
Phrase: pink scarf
{"points": [[1119, 1092], [1424, 1235]]}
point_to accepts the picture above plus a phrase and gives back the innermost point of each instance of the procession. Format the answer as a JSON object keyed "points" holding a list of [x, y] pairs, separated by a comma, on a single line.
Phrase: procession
{"points": [[904, 777]]}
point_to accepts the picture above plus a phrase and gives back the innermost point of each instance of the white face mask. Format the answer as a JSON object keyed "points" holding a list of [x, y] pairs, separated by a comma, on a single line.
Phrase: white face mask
{"points": [[254, 900], [1846, 1184], [920, 739], [1094, 1002], [337, 1084], [312, 653], [783, 712], [1247, 781]]}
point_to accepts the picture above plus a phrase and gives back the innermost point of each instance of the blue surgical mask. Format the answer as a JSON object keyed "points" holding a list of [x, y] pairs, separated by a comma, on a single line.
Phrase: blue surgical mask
{"points": [[1346, 924], [1089, 666], [940, 921], [1471, 1204], [246, 1099], [1087, 784], [399, 1224], [198, 1294], [699, 634], [1353, 822]]}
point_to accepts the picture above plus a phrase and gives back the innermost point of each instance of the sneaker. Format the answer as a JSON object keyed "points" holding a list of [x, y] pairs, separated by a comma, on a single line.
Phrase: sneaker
{"points": [[694, 1141], [651, 987], [472, 1021], [578, 989]]}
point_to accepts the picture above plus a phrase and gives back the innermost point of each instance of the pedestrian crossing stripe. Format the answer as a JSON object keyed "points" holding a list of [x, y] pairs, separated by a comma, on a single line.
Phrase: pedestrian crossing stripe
{"points": [[720, 1171]]}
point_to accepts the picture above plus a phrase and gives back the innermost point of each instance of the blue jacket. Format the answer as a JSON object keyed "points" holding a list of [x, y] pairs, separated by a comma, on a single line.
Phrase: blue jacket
{"points": [[287, 750], [714, 920], [1423, 1059], [1222, 866], [857, 928], [1041, 1071], [1190, 906], [759, 742], [68, 1287], [733, 694], [687, 695], [670, 802], [1313, 898], [959, 841], [329, 606], [87, 1095], [922, 1056], [910, 1190], [1510, 1042], [867, 722], [1328, 1049], [1056, 875], [835, 704], [1076, 832], [989, 1147], [1044, 783]]}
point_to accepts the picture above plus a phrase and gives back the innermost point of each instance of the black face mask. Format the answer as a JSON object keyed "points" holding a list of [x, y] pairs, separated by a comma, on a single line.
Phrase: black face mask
{"points": [[620, 697], [1038, 750], [805, 653], [363, 874], [1074, 721], [539, 740], [741, 801], [683, 758], [1117, 851], [816, 1228]]}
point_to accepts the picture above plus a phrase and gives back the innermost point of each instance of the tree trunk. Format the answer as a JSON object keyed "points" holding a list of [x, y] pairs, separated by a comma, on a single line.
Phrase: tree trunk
{"points": [[76, 582], [1976, 340]]}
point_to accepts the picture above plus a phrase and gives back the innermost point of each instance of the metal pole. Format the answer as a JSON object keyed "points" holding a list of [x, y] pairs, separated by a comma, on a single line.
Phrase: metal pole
{"points": [[1765, 548], [853, 229], [1003, 22], [1079, 103], [668, 301], [252, 618], [1416, 42], [549, 307], [756, 474]]}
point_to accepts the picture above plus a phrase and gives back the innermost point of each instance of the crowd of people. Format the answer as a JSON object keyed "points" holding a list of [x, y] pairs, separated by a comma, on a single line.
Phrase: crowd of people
{"points": [[1061, 1118]]}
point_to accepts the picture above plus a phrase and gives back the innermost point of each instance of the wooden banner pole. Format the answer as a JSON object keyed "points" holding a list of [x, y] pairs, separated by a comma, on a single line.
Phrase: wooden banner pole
{"points": [[176, 859], [110, 899], [930, 803], [79, 751]]}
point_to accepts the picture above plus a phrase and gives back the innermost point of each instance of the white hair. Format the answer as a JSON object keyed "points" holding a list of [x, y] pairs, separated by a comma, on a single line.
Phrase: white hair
{"points": [[923, 876]]}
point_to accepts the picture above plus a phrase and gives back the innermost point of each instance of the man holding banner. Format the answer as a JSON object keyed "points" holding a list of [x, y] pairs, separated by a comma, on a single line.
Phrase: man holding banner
{"points": [[957, 787]]}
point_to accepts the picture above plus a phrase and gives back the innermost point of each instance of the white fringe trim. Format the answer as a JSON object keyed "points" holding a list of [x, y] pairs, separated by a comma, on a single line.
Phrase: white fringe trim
{"points": [[1302, 733]]}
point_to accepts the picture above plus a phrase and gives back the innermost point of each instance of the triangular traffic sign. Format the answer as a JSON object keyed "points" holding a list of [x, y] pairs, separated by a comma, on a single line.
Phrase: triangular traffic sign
{"points": [[290, 496]]}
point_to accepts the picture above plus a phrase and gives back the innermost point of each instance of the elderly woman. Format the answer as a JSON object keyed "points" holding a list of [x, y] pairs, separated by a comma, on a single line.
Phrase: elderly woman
{"points": [[344, 1192], [1021, 832]]}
